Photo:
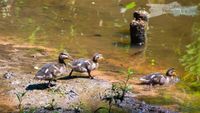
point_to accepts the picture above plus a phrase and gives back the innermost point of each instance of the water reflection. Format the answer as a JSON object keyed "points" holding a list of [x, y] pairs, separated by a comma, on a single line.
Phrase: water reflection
{"points": [[173, 8], [5, 7]]}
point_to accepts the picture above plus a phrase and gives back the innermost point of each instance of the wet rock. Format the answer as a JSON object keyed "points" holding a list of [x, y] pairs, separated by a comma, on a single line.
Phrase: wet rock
{"points": [[39, 54], [69, 92], [8, 75], [135, 106], [44, 110], [72, 94]]}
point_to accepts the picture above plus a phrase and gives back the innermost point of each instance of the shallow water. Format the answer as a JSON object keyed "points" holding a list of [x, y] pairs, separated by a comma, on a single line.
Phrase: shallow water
{"points": [[86, 27], [83, 27]]}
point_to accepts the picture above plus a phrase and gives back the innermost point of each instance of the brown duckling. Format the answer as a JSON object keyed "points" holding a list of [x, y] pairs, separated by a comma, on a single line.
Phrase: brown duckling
{"points": [[86, 65], [52, 70]]}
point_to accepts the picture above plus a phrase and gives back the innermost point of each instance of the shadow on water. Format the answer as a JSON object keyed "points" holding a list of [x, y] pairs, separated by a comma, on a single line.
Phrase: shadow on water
{"points": [[134, 49], [121, 44]]}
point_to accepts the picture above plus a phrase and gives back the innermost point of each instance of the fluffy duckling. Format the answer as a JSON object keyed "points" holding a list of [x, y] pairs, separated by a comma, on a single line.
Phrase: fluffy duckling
{"points": [[158, 78], [51, 70], [86, 65]]}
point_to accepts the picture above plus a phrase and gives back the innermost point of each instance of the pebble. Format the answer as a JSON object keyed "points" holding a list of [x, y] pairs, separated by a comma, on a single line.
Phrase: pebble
{"points": [[16, 82], [8, 75]]}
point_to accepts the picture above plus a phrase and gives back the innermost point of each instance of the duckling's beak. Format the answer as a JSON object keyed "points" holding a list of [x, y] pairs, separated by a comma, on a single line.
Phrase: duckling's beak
{"points": [[70, 58], [174, 73], [101, 58]]}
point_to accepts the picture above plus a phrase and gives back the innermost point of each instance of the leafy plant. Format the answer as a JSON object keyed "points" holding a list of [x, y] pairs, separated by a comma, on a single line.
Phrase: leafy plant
{"points": [[78, 107], [20, 99], [117, 92], [51, 105], [31, 110], [191, 60]]}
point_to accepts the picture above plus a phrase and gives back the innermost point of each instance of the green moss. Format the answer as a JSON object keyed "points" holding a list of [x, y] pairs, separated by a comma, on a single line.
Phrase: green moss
{"points": [[158, 100]]}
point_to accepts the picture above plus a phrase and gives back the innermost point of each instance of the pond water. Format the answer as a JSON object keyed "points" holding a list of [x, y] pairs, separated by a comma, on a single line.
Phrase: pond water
{"points": [[83, 27]]}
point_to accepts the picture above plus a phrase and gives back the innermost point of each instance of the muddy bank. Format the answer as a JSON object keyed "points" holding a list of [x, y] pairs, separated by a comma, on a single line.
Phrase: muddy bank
{"points": [[77, 94]]}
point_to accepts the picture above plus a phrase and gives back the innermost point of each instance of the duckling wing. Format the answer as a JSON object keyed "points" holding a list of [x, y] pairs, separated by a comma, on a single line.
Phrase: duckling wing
{"points": [[80, 65], [159, 79], [172, 80], [78, 62], [148, 78], [48, 71]]}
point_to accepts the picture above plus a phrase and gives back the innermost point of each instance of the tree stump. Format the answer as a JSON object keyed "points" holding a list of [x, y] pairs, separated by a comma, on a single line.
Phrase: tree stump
{"points": [[137, 28]]}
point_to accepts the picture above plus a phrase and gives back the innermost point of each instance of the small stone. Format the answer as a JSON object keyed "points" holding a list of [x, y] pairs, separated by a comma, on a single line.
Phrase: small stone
{"points": [[16, 82], [8, 75], [35, 67]]}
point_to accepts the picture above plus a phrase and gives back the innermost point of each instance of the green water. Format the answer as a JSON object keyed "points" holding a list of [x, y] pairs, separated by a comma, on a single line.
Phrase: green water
{"points": [[86, 27], [83, 27]]}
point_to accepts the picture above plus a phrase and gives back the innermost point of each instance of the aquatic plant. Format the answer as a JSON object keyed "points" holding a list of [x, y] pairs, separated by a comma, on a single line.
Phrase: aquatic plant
{"points": [[78, 107], [32, 36], [20, 99], [117, 92], [72, 31], [130, 5]]}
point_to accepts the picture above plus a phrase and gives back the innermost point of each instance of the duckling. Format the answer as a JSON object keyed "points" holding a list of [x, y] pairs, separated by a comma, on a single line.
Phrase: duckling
{"points": [[52, 70], [158, 78], [86, 65]]}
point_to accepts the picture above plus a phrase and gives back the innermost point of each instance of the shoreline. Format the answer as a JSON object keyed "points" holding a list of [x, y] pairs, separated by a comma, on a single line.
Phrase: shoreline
{"points": [[21, 60]]}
